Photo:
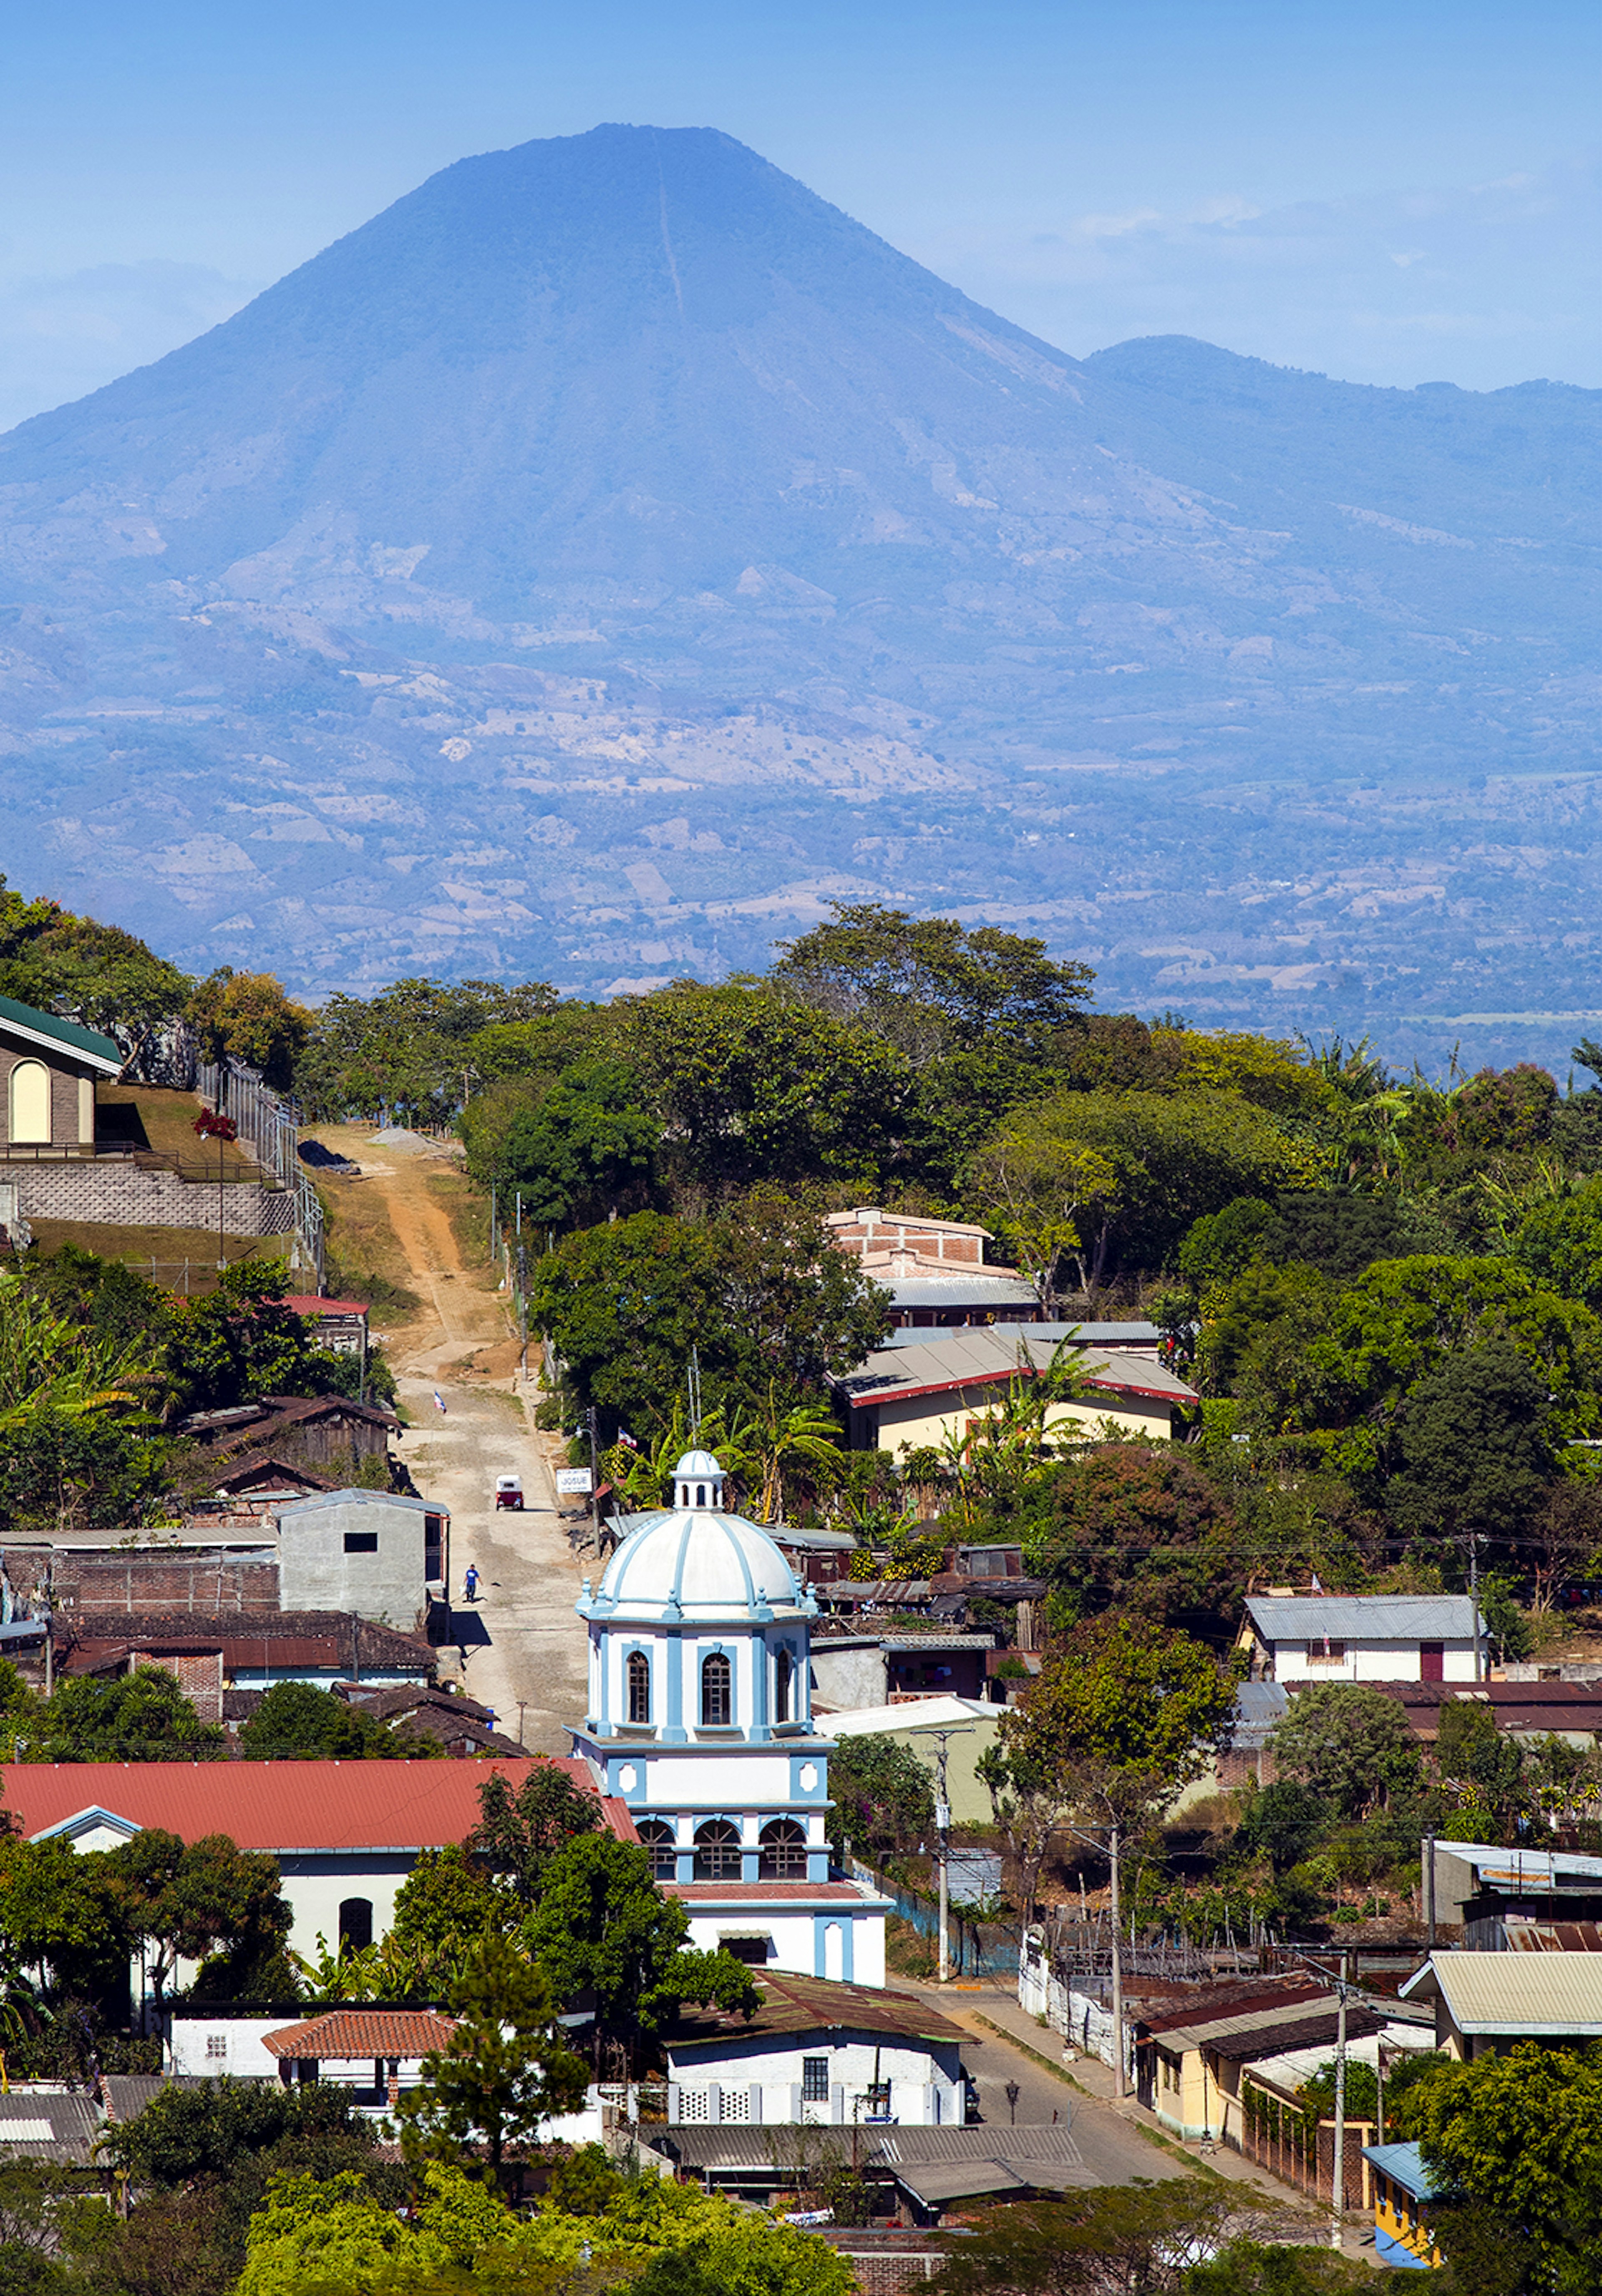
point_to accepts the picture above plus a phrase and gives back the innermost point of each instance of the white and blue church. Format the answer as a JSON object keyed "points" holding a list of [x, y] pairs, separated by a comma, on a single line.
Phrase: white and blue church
{"points": [[700, 1724]]}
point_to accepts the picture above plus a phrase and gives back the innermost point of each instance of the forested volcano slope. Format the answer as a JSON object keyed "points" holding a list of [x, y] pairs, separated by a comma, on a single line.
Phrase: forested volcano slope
{"points": [[612, 546]]}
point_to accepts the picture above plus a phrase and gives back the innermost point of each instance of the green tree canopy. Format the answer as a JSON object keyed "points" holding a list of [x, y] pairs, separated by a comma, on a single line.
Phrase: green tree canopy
{"points": [[1132, 1527], [1171, 1157], [1137, 2238], [1559, 1244], [143, 1716], [218, 2128], [505, 2072], [602, 1928], [242, 1341], [1122, 1716], [1518, 2135], [411, 1049], [883, 1795], [757, 1291], [1349, 1745], [96, 974], [586, 1149], [447, 1900], [298, 1722], [929, 986], [1475, 1456], [520, 1832], [189, 1900], [749, 1086], [248, 1017]]}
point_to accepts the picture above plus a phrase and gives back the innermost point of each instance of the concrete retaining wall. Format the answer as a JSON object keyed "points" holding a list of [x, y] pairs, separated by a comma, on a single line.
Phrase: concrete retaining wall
{"points": [[115, 1195]]}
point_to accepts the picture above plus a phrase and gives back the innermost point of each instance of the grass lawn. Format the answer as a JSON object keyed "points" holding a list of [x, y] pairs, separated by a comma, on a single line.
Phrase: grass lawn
{"points": [[182, 1259], [363, 1256], [154, 1116]]}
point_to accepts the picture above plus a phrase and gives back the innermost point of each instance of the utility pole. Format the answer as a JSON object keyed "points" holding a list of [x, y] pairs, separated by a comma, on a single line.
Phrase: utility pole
{"points": [[1429, 1887], [595, 1478], [1473, 1596], [942, 1843], [1337, 2180], [1115, 1852]]}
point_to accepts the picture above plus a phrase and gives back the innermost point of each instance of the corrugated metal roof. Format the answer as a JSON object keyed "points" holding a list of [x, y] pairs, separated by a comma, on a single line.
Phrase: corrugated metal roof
{"points": [[1137, 1335], [955, 1286], [1544, 1995], [795, 2004], [48, 2125], [283, 1806], [1405, 2165], [1362, 1618], [89, 1044], [362, 2033], [1540, 1869], [979, 1355]]}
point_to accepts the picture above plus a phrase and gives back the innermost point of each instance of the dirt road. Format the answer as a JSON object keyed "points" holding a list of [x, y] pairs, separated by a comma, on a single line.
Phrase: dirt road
{"points": [[523, 1650]]}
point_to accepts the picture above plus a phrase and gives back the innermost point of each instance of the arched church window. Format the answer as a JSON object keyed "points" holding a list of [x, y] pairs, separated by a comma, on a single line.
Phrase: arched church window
{"points": [[656, 1838], [717, 1851], [30, 1104], [639, 1686], [717, 1691], [700, 1493], [355, 1924], [783, 1851], [783, 1686]]}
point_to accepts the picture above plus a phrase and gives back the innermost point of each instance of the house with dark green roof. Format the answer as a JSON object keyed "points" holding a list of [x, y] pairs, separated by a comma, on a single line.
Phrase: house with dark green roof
{"points": [[49, 1068]]}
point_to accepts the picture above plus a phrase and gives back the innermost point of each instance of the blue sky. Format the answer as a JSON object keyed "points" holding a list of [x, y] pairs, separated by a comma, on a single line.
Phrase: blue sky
{"points": [[1391, 193]]}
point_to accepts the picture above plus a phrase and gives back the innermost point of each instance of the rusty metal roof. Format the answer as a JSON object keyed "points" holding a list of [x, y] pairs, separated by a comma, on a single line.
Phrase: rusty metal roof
{"points": [[792, 2003]]}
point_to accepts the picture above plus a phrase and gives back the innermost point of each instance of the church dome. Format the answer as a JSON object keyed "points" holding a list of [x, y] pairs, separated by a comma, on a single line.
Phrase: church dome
{"points": [[696, 1562]]}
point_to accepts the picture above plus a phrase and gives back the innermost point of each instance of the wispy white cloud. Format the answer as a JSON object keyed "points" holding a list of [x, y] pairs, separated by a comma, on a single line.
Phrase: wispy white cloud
{"points": [[62, 337], [1505, 276]]}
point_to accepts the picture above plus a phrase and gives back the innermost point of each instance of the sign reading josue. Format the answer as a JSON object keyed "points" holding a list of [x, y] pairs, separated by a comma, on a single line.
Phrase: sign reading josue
{"points": [[573, 1481]]}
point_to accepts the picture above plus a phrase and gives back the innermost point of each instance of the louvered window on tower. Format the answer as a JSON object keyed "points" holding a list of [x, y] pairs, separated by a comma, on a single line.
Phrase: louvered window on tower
{"points": [[656, 1838], [783, 1851], [717, 1851], [639, 1686]]}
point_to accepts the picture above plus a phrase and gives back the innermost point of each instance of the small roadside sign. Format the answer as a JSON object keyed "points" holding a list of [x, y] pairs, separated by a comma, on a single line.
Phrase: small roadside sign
{"points": [[574, 1481]]}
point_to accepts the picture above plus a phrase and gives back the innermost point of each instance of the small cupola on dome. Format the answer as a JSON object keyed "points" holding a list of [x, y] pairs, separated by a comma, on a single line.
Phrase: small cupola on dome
{"points": [[698, 1482]]}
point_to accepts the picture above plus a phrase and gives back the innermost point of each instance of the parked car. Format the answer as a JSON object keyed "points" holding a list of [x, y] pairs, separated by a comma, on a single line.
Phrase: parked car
{"points": [[509, 1493]]}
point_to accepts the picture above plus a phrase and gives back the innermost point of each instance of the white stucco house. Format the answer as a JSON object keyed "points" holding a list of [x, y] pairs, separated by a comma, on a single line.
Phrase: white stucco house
{"points": [[1303, 1638], [345, 1835], [834, 2054], [699, 1724]]}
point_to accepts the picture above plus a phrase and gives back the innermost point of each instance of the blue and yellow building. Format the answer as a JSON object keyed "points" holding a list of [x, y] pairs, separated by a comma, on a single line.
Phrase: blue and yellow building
{"points": [[1403, 2189]]}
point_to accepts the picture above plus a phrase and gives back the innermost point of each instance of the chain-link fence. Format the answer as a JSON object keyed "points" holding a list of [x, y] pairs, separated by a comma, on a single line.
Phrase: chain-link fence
{"points": [[270, 1128]]}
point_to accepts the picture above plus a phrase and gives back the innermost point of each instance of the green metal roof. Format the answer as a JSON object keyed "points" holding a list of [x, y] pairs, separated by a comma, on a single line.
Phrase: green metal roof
{"points": [[68, 1033]]}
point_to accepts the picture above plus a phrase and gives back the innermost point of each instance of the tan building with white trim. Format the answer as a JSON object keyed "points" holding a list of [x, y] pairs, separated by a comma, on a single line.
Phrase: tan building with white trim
{"points": [[918, 1398]]}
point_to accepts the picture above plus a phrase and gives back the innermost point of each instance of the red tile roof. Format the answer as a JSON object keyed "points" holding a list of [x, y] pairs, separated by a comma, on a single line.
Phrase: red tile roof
{"points": [[362, 2033], [762, 1893], [281, 1805]]}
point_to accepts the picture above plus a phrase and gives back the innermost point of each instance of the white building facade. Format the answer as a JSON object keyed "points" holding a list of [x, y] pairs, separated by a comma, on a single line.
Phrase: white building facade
{"points": [[700, 1722], [1303, 1638]]}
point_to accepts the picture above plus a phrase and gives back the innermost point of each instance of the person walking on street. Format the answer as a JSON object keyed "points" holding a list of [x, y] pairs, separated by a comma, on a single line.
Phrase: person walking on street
{"points": [[472, 1582]]}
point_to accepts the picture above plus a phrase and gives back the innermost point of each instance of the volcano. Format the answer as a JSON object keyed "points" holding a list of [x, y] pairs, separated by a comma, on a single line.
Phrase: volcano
{"points": [[611, 552]]}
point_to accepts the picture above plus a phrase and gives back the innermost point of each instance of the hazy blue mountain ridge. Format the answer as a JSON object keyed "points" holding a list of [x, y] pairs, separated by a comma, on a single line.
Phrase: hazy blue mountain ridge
{"points": [[612, 551]]}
